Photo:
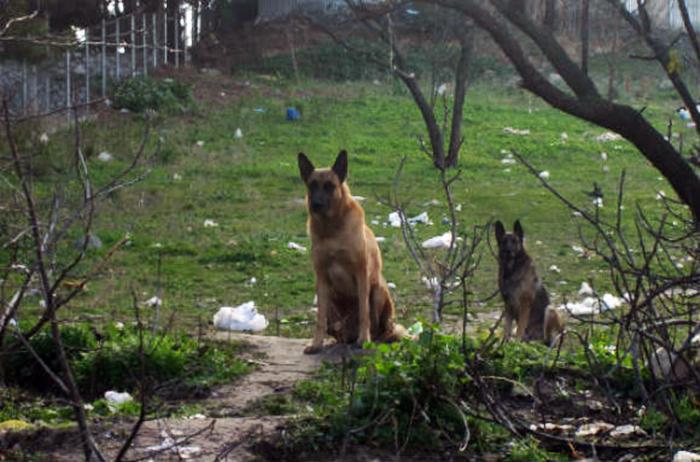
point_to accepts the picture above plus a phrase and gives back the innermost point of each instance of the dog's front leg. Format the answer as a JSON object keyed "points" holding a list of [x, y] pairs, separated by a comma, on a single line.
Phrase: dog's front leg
{"points": [[524, 315], [363, 295], [323, 294], [507, 325]]}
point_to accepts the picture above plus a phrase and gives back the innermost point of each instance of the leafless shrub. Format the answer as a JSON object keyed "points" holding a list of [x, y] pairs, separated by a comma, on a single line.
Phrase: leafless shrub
{"points": [[38, 228], [654, 268]]}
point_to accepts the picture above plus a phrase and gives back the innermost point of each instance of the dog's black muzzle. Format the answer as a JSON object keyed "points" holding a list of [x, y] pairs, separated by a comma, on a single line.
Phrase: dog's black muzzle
{"points": [[319, 204]]}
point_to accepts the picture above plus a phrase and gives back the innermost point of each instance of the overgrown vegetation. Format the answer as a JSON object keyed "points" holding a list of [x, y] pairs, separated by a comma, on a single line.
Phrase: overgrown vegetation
{"points": [[417, 397], [409, 396], [140, 94], [110, 359]]}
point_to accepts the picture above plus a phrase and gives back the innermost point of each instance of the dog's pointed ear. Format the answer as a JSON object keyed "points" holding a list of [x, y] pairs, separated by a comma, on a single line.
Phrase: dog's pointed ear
{"points": [[518, 230], [305, 166], [340, 167], [500, 230]]}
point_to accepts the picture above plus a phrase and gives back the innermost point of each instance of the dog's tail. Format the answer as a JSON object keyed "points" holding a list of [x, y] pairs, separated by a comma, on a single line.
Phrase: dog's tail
{"points": [[396, 333], [553, 325]]}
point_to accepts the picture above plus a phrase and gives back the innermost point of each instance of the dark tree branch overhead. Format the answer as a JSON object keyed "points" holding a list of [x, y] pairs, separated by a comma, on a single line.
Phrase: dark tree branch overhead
{"points": [[662, 54], [584, 101]]}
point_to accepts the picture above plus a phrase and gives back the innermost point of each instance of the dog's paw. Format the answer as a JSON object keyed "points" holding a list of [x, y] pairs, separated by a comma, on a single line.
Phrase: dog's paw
{"points": [[313, 349]]}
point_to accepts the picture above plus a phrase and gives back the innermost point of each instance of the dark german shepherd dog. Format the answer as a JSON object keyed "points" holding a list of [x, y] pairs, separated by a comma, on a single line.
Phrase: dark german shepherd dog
{"points": [[526, 300], [354, 304]]}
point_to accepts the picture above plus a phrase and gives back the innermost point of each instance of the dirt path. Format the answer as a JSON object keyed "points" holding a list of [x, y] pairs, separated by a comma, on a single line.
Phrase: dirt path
{"points": [[222, 430]]}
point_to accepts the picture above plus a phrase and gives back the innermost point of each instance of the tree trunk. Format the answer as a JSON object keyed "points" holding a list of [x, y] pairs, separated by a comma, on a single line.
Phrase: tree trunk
{"points": [[466, 42], [585, 31], [550, 14]]}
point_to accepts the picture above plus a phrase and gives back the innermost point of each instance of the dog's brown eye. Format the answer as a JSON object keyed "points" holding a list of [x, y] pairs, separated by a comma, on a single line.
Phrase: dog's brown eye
{"points": [[313, 184], [328, 186]]}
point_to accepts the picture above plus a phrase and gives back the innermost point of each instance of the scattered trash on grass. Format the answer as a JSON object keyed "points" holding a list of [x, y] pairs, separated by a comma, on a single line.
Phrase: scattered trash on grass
{"points": [[443, 241], [295, 246], [293, 114], [395, 219], [516, 131], [104, 156], [593, 305], [585, 289], [153, 302], [686, 456], [183, 452], [241, 317], [115, 399], [608, 136], [625, 431], [593, 429]]}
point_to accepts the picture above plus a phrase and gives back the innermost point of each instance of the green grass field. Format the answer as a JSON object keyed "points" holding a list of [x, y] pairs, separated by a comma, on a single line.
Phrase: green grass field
{"points": [[251, 188]]}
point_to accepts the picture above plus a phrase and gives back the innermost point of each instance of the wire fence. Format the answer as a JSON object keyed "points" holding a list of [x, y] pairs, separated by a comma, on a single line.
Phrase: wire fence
{"points": [[80, 72]]}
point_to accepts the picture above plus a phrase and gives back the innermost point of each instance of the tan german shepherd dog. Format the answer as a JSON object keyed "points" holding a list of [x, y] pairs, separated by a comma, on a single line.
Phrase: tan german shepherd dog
{"points": [[526, 300], [354, 304]]}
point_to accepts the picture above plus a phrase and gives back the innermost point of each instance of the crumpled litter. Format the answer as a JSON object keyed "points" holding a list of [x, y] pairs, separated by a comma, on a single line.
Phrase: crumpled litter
{"points": [[593, 305], [295, 246], [395, 219], [686, 456], [592, 429], [608, 136], [115, 399], [242, 317], [153, 302], [440, 242], [516, 131], [184, 452]]}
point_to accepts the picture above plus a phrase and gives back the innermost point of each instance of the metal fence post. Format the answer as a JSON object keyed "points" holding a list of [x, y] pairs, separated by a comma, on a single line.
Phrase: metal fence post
{"points": [[103, 60], [177, 38], [154, 36], [116, 50], [68, 83], [165, 37], [87, 68], [133, 47], [145, 44], [25, 90], [34, 91], [47, 90]]}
